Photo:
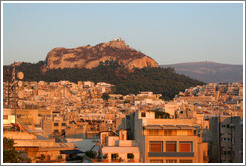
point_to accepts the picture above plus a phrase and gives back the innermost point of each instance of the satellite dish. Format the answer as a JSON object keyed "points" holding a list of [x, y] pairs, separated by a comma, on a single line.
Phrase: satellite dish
{"points": [[20, 103], [20, 75], [20, 83], [21, 95]]}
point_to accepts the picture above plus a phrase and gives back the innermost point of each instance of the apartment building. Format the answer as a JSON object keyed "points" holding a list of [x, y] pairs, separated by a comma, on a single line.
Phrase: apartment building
{"points": [[226, 140], [168, 140], [118, 148]]}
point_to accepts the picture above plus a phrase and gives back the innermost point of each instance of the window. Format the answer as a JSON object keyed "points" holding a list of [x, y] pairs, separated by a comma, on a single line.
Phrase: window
{"points": [[63, 124], [186, 161], [5, 116], [156, 161], [171, 146], [153, 132], [130, 155], [114, 156], [185, 146], [226, 152], [156, 146], [171, 161], [195, 132], [56, 131], [226, 139], [143, 114], [56, 124]]}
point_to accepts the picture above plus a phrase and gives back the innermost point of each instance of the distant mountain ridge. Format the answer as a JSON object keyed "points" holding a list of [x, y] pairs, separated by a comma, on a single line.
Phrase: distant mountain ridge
{"points": [[208, 71]]}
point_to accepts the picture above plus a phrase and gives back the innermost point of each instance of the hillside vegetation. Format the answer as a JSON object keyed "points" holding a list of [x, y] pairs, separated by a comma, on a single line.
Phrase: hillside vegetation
{"points": [[163, 81]]}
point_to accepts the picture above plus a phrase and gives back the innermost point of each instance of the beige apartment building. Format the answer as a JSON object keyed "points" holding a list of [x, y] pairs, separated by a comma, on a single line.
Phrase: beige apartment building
{"points": [[168, 140], [118, 148]]}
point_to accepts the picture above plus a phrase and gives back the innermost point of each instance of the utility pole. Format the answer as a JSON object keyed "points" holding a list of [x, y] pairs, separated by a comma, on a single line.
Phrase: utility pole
{"points": [[15, 104], [8, 80]]}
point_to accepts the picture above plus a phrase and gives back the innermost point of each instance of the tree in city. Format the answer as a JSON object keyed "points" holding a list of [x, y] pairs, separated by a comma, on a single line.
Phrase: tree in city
{"points": [[91, 154], [10, 155]]}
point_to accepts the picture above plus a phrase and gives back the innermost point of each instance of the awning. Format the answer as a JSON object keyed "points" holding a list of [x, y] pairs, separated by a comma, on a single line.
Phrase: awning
{"points": [[156, 127], [70, 151], [153, 127]]}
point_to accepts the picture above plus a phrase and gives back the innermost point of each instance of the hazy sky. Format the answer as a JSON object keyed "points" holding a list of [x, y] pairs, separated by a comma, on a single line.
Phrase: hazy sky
{"points": [[169, 33]]}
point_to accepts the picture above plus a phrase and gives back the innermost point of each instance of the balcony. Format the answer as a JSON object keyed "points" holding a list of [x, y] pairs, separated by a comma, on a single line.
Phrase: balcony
{"points": [[131, 143], [171, 154]]}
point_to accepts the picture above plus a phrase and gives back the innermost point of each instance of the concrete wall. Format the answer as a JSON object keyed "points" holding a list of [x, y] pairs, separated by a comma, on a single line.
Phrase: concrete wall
{"points": [[19, 135]]}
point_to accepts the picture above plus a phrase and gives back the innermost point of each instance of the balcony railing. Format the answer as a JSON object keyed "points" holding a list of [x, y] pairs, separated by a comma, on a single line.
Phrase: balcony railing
{"points": [[171, 154]]}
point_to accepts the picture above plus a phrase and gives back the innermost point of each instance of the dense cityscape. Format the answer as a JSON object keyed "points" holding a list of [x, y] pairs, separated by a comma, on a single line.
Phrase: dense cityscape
{"points": [[122, 83], [84, 122]]}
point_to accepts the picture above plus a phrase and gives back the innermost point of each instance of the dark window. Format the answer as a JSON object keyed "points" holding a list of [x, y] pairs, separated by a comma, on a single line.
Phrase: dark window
{"points": [[56, 124], [156, 146], [195, 131], [63, 124], [171, 146], [130, 155], [143, 114], [114, 156]]}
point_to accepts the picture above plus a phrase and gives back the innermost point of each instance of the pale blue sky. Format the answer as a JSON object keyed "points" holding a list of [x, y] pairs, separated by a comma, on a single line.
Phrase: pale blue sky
{"points": [[169, 33]]}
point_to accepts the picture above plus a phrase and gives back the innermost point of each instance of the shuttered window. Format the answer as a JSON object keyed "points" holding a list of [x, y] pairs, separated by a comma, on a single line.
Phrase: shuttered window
{"points": [[153, 132], [185, 146], [156, 146], [171, 146], [5, 116]]}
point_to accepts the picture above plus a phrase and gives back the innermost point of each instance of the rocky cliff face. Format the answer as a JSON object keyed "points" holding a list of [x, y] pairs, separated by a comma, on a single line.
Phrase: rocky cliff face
{"points": [[90, 57]]}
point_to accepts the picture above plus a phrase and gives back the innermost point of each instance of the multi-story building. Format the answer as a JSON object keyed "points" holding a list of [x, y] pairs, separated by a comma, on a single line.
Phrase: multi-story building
{"points": [[226, 140], [168, 140]]}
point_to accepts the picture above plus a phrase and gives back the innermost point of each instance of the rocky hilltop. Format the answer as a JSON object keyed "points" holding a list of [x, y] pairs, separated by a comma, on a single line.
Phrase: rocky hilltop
{"points": [[91, 56]]}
